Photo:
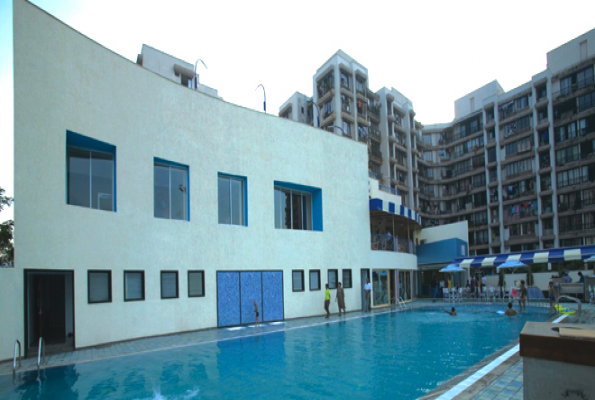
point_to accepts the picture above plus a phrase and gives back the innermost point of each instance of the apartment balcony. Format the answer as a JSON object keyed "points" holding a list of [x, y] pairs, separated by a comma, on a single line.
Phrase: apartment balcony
{"points": [[361, 94], [375, 155], [581, 228], [518, 197], [514, 134], [490, 123], [574, 90], [374, 110], [375, 175], [453, 138], [390, 243], [542, 123], [375, 135], [325, 95], [541, 102], [388, 189], [391, 118], [328, 117], [399, 128], [400, 164], [522, 216], [522, 112], [548, 234], [495, 241], [362, 120], [523, 238], [495, 222], [517, 176]]}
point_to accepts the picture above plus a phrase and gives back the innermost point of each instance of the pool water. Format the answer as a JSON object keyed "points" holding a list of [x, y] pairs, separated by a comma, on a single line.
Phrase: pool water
{"points": [[393, 355]]}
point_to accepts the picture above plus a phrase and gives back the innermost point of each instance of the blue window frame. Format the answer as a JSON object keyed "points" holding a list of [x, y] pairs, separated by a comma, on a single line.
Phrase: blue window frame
{"points": [[297, 207], [232, 199], [171, 190], [91, 172]]}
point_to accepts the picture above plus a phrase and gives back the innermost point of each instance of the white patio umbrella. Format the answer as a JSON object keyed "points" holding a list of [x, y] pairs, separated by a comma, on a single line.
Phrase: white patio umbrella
{"points": [[511, 264], [590, 259], [452, 268]]}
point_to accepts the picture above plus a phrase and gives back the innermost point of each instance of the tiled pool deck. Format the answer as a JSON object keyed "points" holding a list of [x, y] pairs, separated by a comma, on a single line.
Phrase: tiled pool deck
{"points": [[505, 381]]}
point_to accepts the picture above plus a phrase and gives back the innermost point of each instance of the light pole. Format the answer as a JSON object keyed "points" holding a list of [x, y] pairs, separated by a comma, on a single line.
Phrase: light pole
{"points": [[317, 109], [195, 76], [338, 127], [264, 104]]}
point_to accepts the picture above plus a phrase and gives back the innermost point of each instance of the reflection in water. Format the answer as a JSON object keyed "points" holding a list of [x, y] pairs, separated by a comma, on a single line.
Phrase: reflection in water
{"points": [[49, 382]]}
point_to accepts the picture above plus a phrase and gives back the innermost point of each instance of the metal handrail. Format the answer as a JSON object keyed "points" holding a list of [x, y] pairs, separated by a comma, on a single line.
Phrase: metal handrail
{"points": [[572, 299], [402, 304], [39, 353], [14, 361]]}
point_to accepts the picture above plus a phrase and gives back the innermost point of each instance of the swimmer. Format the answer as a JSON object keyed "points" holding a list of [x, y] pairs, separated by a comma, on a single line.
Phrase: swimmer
{"points": [[510, 311], [451, 312]]}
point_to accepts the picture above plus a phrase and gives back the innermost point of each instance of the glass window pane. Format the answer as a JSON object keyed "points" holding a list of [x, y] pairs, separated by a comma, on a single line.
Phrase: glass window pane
{"points": [[133, 286], [346, 278], [179, 193], [297, 211], [332, 279], [102, 181], [282, 209], [307, 211], [196, 284], [79, 167], [237, 202], [298, 284], [169, 285], [161, 174], [99, 287], [314, 280], [224, 205]]}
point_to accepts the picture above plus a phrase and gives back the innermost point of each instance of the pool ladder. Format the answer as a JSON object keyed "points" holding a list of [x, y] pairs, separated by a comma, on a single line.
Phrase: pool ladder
{"points": [[17, 343], [402, 304], [39, 351], [577, 301]]}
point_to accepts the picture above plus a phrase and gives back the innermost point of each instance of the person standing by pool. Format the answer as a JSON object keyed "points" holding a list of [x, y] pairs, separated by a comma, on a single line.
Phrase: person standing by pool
{"points": [[552, 296], [523, 297], [434, 287], [340, 299], [327, 300], [510, 311], [368, 292], [581, 278], [256, 314], [473, 286]]}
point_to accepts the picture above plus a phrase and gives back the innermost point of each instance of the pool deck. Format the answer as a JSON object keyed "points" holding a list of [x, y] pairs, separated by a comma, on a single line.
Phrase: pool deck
{"points": [[499, 376]]}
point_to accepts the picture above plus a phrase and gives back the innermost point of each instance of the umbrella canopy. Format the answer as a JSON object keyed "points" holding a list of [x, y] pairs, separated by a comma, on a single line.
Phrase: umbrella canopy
{"points": [[590, 259], [511, 264], [452, 268]]}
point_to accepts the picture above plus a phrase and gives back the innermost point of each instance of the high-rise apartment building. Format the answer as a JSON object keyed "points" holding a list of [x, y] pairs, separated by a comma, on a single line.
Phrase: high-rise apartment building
{"points": [[518, 166]]}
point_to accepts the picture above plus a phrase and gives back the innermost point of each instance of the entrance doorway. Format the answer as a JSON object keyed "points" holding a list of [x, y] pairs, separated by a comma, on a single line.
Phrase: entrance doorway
{"points": [[49, 310]]}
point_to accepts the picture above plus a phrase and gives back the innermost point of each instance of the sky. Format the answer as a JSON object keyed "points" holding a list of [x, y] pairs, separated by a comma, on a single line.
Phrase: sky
{"points": [[433, 52]]}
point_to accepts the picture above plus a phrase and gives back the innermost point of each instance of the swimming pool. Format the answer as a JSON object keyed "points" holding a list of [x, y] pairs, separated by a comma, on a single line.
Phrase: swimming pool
{"points": [[401, 355]]}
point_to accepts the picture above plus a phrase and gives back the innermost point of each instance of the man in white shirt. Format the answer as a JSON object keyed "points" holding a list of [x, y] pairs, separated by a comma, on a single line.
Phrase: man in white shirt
{"points": [[368, 292]]}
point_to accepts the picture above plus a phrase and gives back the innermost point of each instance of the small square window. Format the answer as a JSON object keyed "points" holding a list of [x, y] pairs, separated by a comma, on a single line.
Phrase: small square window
{"points": [[298, 280], [347, 279], [169, 284], [332, 278], [196, 283], [99, 286], [314, 279], [134, 285]]}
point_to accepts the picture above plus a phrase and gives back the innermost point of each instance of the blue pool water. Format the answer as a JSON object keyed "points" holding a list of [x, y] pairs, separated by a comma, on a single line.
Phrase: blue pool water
{"points": [[392, 355]]}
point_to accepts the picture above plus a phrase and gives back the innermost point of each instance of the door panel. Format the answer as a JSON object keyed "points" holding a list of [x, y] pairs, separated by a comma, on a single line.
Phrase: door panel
{"points": [[251, 289], [228, 298], [272, 302]]}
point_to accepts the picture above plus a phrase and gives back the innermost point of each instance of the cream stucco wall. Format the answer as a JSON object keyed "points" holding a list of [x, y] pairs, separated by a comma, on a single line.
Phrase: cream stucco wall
{"points": [[65, 81], [442, 232]]}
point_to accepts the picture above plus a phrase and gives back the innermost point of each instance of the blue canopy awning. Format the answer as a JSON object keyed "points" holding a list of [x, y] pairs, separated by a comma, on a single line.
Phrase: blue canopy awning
{"points": [[392, 208], [529, 257]]}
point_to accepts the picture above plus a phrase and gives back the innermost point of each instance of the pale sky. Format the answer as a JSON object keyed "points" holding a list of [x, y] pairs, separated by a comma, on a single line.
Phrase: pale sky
{"points": [[431, 51]]}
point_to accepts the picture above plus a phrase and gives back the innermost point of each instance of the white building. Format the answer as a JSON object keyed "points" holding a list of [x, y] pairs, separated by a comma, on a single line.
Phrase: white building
{"points": [[133, 219]]}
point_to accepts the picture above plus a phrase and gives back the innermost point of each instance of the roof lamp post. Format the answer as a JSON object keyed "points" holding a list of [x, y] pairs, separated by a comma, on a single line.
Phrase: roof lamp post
{"points": [[196, 76], [338, 127], [264, 104], [317, 109]]}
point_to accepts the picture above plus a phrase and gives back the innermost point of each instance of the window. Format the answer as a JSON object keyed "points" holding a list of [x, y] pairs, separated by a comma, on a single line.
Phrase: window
{"points": [[332, 278], [91, 172], [99, 286], [232, 198], [347, 279], [314, 279], [169, 284], [196, 283], [134, 285], [171, 190], [297, 207], [297, 280]]}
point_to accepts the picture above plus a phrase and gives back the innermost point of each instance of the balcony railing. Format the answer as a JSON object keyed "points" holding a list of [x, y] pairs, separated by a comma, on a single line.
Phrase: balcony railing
{"points": [[374, 108], [388, 189], [584, 84], [548, 232], [460, 135], [569, 227], [390, 243]]}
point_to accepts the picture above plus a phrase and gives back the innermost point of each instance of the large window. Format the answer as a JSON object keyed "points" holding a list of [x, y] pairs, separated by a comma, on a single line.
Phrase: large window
{"points": [[314, 279], [298, 207], [347, 279], [99, 285], [232, 197], [169, 284], [297, 277], [134, 285], [196, 283], [91, 176], [333, 276], [171, 190]]}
